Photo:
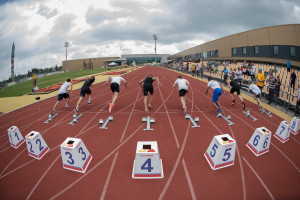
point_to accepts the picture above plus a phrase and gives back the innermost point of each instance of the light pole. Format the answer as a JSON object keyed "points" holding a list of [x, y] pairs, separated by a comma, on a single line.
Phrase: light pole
{"points": [[155, 38], [67, 45]]}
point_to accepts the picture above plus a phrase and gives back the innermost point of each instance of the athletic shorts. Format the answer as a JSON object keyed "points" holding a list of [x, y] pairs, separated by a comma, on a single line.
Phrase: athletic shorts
{"points": [[235, 89], [115, 87], [217, 93], [61, 96], [148, 88], [84, 91], [182, 92], [257, 95]]}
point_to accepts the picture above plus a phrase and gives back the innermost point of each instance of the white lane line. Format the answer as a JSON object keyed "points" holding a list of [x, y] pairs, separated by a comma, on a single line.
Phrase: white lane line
{"points": [[260, 180], [189, 180]]}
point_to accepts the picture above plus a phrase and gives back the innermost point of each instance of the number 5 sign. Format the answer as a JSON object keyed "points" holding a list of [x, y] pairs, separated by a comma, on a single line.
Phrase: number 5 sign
{"points": [[147, 163], [75, 155], [221, 152]]}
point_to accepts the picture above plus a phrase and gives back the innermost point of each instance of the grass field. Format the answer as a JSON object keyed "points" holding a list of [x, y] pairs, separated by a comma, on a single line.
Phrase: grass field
{"points": [[26, 86]]}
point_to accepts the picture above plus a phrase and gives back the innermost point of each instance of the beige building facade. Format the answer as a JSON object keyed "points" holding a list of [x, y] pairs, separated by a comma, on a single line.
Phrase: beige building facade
{"points": [[274, 44]]}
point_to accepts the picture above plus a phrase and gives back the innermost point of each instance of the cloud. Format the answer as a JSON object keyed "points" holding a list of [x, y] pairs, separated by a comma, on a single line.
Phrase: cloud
{"points": [[115, 27]]}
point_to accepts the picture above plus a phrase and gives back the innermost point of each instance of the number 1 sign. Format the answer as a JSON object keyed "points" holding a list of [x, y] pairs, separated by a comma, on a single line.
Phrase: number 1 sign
{"points": [[283, 132], [147, 163], [36, 145], [221, 152], [75, 155], [15, 137]]}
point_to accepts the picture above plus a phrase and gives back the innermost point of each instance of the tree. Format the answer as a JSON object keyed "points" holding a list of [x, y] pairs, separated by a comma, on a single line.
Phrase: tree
{"points": [[35, 70]]}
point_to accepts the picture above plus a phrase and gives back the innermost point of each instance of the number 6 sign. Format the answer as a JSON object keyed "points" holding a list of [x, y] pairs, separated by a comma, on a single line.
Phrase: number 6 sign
{"points": [[221, 152], [36, 145], [260, 141], [75, 155]]}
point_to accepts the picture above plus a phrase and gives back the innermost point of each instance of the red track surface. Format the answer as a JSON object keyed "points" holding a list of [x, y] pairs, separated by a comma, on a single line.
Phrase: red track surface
{"points": [[274, 175]]}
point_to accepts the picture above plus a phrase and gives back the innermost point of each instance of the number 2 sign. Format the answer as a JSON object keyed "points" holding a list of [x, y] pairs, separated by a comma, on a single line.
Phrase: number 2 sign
{"points": [[36, 145]]}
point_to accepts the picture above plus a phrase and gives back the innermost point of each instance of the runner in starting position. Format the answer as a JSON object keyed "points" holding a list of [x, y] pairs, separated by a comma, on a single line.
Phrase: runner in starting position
{"points": [[217, 93], [183, 86], [147, 85], [115, 83]]}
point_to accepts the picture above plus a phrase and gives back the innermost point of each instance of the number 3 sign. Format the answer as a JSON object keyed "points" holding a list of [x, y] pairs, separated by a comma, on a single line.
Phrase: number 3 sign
{"points": [[221, 152], [75, 155]]}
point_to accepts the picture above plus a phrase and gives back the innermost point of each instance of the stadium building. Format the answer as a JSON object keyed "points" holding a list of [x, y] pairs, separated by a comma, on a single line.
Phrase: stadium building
{"points": [[91, 63], [275, 44]]}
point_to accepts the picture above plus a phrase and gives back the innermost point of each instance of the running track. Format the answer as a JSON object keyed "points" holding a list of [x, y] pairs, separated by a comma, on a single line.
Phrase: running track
{"points": [[274, 175]]}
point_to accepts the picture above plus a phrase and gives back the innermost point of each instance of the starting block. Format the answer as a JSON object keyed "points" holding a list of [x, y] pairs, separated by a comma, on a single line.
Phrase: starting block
{"points": [[247, 113], [36, 145], [50, 118], [15, 137], [194, 121], [148, 121], [221, 152], [227, 119], [75, 119], [147, 163], [103, 124], [283, 132], [75, 155], [295, 125], [260, 141], [267, 113]]}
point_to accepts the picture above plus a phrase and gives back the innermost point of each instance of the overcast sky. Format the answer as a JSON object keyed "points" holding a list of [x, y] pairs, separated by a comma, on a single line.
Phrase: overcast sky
{"points": [[97, 28]]}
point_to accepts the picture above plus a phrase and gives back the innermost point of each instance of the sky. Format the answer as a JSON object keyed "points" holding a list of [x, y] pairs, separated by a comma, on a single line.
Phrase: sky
{"points": [[100, 28]]}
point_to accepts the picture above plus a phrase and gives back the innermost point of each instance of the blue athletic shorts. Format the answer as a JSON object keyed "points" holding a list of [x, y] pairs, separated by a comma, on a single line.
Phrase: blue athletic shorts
{"points": [[217, 93]]}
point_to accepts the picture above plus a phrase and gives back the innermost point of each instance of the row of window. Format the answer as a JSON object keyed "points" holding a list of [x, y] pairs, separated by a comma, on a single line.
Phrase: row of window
{"points": [[214, 53], [143, 58], [275, 50]]}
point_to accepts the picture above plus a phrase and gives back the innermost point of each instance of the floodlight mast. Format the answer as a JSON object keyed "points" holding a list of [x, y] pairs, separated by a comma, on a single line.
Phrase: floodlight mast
{"points": [[67, 44], [155, 38]]}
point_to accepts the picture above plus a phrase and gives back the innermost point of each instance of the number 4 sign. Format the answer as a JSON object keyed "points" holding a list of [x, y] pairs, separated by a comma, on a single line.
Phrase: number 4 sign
{"points": [[75, 155], [36, 145], [221, 152], [147, 163]]}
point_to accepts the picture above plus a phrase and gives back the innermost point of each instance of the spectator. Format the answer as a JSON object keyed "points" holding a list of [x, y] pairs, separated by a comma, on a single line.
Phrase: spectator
{"points": [[197, 70], [193, 69], [260, 79], [253, 72], [272, 85], [277, 90], [293, 80], [201, 70], [288, 65], [239, 76], [298, 102], [225, 71], [34, 79]]}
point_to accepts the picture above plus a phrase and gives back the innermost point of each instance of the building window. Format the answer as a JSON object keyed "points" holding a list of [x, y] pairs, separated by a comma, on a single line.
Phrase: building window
{"points": [[256, 50], [217, 53], [211, 53], [293, 51], [275, 50], [234, 51], [244, 50]]}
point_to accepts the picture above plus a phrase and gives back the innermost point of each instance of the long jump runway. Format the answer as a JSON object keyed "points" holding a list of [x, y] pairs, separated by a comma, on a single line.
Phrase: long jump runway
{"points": [[187, 174]]}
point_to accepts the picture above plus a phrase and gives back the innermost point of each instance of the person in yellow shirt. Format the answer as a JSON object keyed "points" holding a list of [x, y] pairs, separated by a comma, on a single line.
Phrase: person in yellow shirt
{"points": [[260, 79], [34, 79]]}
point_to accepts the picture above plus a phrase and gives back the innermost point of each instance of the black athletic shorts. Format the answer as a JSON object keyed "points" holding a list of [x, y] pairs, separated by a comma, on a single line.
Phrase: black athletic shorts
{"points": [[182, 92], [84, 91], [115, 87], [61, 96], [235, 89], [148, 88]]}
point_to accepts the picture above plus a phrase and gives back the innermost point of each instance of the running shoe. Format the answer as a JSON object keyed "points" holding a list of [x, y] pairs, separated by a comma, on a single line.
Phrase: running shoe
{"points": [[76, 110], [149, 106], [244, 105], [89, 102], [50, 116], [219, 114], [185, 110]]}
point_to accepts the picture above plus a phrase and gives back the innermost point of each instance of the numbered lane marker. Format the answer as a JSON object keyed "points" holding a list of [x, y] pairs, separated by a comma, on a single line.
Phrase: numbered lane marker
{"points": [[147, 163], [295, 125], [283, 132], [15, 137], [75, 155], [221, 152], [36, 145], [260, 141]]}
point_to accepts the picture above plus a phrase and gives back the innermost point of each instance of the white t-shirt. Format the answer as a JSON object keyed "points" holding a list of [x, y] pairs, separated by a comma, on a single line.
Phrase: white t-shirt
{"points": [[239, 74], [213, 84], [253, 69], [255, 89], [298, 93], [63, 88], [182, 83], [117, 80]]}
